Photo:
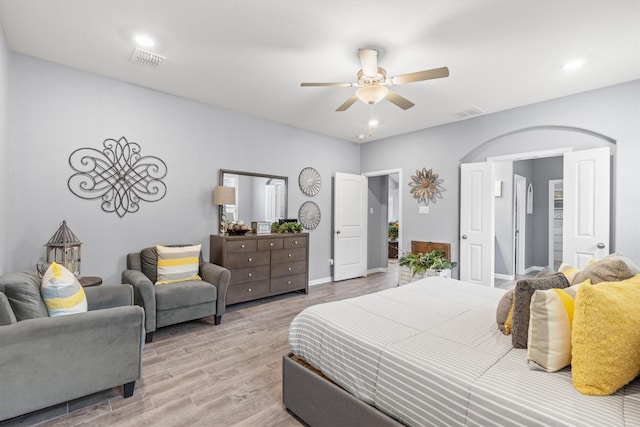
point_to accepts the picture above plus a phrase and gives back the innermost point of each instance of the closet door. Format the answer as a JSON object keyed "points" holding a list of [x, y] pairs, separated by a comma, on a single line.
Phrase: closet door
{"points": [[586, 206]]}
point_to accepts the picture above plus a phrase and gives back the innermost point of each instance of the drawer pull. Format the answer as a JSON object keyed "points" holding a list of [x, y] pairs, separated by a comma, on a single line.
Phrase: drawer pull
{"points": [[295, 242], [288, 282], [242, 246], [289, 268], [271, 244], [289, 255], [249, 290], [250, 274], [250, 259]]}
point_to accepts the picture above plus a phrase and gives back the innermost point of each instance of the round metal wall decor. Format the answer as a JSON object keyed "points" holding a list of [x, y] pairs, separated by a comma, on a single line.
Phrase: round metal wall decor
{"points": [[309, 181], [309, 215], [426, 186]]}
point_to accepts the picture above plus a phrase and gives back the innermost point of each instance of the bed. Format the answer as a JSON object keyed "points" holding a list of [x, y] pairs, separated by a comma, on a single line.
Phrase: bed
{"points": [[429, 353]]}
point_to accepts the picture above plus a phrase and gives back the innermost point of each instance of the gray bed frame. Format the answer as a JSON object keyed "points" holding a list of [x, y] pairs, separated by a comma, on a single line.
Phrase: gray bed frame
{"points": [[318, 402]]}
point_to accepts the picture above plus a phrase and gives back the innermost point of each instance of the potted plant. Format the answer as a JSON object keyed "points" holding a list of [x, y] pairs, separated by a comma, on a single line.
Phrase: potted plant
{"points": [[286, 227], [415, 266], [393, 231]]}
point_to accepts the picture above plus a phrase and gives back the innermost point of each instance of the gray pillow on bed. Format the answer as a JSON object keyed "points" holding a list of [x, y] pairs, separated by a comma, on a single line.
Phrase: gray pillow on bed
{"points": [[522, 301]]}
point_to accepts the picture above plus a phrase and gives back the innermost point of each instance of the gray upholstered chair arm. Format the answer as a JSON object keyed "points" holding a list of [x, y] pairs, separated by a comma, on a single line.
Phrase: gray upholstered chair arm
{"points": [[55, 352], [7, 317], [218, 276], [143, 294], [107, 296]]}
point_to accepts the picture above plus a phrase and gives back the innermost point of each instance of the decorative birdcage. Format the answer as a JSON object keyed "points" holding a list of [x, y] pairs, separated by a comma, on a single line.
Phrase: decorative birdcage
{"points": [[64, 249]]}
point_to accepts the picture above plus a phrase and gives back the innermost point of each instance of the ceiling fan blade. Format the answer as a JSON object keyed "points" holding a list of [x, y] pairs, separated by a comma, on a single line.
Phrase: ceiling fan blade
{"points": [[398, 100], [348, 103], [369, 61], [326, 84], [434, 73]]}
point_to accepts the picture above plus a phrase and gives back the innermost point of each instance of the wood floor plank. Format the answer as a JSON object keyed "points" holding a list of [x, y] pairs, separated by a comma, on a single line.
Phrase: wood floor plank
{"points": [[201, 374]]}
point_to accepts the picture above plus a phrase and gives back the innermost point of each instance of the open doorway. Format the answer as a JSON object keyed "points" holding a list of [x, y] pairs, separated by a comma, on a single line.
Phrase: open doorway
{"points": [[384, 213], [522, 215]]}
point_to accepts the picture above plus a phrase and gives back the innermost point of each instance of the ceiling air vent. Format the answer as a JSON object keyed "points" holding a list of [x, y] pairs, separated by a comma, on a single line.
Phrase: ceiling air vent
{"points": [[469, 112], [146, 58]]}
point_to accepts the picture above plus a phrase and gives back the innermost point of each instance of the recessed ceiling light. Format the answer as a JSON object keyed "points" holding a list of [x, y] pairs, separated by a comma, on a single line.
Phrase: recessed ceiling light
{"points": [[361, 136], [573, 64], [373, 123], [143, 40]]}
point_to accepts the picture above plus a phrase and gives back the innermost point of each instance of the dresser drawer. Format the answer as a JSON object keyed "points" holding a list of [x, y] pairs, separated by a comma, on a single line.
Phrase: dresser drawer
{"points": [[270, 244], [248, 259], [295, 242], [290, 283], [236, 246], [287, 255], [247, 291], [288, 268], [249, 274]]}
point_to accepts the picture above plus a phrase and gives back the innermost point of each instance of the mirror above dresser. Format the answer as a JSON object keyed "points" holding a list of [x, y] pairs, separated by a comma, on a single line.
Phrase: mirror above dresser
{"points": [[259, 197]]}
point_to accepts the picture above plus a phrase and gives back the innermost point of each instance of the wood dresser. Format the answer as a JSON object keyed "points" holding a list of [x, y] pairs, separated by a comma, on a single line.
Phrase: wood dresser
{"points": [[262, 265]]}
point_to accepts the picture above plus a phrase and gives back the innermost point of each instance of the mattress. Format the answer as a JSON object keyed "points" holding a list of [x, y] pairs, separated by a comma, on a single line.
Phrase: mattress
{"points": [[430, 353]]}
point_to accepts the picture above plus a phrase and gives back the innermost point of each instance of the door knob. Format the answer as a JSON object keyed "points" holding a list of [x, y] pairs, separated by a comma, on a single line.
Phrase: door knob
{"points": [[464, 236], [338, 231], [600, 245]]}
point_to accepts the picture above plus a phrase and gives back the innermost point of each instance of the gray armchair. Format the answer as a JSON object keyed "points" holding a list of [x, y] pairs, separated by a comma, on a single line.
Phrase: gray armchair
{"points": [[49, 360], [178, 302]]}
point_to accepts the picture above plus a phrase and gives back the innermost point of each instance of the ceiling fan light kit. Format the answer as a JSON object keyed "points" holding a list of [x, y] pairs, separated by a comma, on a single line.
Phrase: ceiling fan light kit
{"points": [[372, 94], [372, 82]]}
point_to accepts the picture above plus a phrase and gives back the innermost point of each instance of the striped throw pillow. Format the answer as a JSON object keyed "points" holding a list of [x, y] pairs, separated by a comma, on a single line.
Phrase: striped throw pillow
{"points": [[61, 292], [549, 341], [178, 264]]}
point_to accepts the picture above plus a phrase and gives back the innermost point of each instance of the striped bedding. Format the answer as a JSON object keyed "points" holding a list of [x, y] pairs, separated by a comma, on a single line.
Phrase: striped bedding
{"points": [[429, 353]]}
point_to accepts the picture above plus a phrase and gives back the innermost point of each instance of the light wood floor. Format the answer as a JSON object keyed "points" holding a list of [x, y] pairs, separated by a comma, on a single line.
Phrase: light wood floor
{"points": [[198, 374]]}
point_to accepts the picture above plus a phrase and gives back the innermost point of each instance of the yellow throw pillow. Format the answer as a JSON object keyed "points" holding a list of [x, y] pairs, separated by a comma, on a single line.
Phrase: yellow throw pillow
{"points": [[178, 263], [549, 341], [61, 292], [605, 340], [504, 312]]}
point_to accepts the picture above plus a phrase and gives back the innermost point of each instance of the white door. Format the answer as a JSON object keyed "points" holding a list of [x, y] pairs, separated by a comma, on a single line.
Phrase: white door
{"points": [[350, 226], [586, 206], [477, 228], [520, 235]]}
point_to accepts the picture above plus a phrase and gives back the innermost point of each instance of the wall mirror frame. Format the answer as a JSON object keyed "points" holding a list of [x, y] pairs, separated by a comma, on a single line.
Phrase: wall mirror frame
{"points": [[259, 196]]}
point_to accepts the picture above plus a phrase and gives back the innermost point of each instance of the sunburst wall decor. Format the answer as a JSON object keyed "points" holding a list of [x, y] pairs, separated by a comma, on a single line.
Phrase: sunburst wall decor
{"points": [[426, 186]]}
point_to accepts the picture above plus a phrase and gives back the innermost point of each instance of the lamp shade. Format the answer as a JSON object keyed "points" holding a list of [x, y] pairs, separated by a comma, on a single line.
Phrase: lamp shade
{"points": [[372, 94], [224, 195]]}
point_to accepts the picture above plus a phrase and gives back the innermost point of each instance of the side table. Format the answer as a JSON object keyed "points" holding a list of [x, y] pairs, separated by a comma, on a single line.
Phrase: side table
{"points": [[87, 281]]}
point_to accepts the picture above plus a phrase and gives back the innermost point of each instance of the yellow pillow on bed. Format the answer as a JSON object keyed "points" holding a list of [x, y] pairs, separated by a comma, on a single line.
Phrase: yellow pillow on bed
{"points": [[605, 340]]}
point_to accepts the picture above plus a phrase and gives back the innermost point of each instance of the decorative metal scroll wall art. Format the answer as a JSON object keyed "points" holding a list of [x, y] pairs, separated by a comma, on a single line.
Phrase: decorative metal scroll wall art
{"points": [[426, 186], [118, 175]]}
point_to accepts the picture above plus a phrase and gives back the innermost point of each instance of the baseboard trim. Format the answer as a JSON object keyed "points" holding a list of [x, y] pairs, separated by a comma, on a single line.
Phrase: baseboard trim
{"points": [[319, 281], [377, 270], [504, 276]]}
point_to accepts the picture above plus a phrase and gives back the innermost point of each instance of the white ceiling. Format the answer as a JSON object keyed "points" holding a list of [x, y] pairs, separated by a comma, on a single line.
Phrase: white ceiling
{"points": [[251, 55]]}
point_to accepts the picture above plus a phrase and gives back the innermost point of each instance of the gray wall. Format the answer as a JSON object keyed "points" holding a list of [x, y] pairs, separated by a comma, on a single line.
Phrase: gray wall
{"points": [[4, 150], [608, 114], [377, 228], [55, 110]]}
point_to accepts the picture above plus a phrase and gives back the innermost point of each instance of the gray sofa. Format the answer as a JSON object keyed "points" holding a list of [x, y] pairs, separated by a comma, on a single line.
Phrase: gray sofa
{"points": [[166, 305], [49, 360]]}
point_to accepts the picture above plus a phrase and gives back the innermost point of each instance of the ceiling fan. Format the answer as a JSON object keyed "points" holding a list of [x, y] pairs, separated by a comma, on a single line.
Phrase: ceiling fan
{"points": [[372, 82]]}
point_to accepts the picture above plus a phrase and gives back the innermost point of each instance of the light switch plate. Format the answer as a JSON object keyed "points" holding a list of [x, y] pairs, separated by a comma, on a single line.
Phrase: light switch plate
{"points": [[423, 210]]}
